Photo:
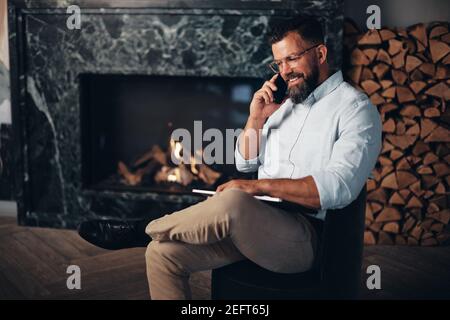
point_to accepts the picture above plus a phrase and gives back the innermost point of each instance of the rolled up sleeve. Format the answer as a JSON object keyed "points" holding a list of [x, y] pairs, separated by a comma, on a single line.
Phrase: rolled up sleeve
{"points": [[243, 165], [354, 155]]}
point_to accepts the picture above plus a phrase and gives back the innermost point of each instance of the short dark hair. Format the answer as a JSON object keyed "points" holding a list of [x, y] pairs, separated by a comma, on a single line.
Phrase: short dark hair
{"points": [[308, 27]]}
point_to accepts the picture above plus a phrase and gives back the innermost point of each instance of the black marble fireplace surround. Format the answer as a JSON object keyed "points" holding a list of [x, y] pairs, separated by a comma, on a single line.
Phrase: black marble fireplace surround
{"points": [[137, 38]]}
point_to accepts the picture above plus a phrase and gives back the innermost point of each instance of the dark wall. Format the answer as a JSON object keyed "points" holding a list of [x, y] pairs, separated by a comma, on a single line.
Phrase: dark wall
{"points": [[399, 13]]}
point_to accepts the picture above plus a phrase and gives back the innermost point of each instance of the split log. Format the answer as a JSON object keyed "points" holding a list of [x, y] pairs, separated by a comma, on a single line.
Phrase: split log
{"points": [[388, 214], [399, 76], [389, 126], [439, 134], [376, 207], [383, 56], [385, 108], [410, 111], [405, 193], [378, 195], [386, 83], [405, 178], [412, 63], [419, 148], [403, 164], [387, 34], [395, 46], [426, 127], [438, 50], [416, 188], [441, 169], [384, 238], [359, 58], [416, 232], [414, 202], [396, 199], [391, 227], [409, 224], [369, 239], [438, 31], [401, 142], [419, 32], [398, 61], [371, 37], [380, 70], [404, 94], [370, 86], [414, 130], [389, 92], [376, 227], [371, 54], [432, 113], [440, 90], [417, 86], [371, 185], [390, 182], [428, 69]]}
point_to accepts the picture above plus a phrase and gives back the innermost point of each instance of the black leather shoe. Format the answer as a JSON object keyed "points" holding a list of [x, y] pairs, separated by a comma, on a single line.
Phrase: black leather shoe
{"points": [[115, 234]]}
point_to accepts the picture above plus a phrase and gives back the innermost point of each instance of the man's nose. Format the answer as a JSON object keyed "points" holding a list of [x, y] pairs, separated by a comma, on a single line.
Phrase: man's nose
{"points": [[285, 69]]}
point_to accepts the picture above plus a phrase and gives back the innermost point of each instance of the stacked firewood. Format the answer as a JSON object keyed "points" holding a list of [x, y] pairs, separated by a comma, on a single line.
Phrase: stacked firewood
{"points": [[405, 72]]}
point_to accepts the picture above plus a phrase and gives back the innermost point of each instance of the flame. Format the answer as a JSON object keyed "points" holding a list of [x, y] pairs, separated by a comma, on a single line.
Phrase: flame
{"points": [[174, 175], [172, 178], [193, 168], [176, 147]]}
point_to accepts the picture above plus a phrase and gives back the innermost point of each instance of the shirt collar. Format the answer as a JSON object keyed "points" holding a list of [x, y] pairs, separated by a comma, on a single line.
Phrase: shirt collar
{"points": [[325, 88]]}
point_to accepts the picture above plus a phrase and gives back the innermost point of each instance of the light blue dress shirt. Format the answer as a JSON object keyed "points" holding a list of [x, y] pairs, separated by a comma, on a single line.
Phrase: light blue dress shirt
{"points": [[333, 136]]}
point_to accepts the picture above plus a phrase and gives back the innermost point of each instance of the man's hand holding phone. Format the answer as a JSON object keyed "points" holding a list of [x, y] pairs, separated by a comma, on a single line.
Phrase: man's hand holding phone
{"points": [[264, 103], [268, 99]]}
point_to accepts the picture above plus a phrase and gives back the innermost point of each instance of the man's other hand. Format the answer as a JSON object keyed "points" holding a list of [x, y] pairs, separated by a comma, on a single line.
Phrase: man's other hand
{"points": [[249, 186]]}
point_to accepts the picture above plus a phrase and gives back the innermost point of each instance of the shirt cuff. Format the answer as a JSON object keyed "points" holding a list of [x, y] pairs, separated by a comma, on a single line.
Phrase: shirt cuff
{"points": [[242, 164], [324, 184]]}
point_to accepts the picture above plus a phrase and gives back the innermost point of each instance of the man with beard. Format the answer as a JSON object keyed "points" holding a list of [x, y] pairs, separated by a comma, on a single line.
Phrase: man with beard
{"points": [[316, 150]]}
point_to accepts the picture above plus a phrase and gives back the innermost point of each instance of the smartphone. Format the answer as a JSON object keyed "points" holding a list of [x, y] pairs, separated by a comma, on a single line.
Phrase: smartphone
{"points": [[280, 94]]}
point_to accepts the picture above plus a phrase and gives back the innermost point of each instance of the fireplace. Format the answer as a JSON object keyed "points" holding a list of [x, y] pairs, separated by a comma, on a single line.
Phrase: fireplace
{"points": [[127, 123], [89, 106]]}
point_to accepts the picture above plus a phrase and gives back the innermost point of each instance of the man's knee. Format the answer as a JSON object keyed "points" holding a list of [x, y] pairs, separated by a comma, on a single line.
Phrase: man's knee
{"points": [[157, 251], [164, 256], [151, 254], [235, 202]]}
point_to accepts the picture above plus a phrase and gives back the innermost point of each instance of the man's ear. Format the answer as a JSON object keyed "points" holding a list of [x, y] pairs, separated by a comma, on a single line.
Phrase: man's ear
{"points": [[323, 51]]}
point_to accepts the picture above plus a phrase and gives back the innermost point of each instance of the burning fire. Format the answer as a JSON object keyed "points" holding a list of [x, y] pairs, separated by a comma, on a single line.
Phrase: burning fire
{"points": [[156, 163]]}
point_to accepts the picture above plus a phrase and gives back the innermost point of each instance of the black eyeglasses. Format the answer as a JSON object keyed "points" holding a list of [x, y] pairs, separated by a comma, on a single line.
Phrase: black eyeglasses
{"points": [[292, 60]]}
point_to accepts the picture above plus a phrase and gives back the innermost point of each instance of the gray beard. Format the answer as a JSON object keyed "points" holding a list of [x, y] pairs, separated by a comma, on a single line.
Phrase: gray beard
{"points": [[299, 93]]}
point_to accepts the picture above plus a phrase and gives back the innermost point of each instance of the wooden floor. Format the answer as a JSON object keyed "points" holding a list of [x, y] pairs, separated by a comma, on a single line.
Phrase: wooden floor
{"points": [[33, 264]]}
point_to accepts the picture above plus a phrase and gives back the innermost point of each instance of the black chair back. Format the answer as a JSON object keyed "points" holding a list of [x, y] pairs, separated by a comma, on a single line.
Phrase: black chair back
{"points": [[341, 249], [336, 273]]}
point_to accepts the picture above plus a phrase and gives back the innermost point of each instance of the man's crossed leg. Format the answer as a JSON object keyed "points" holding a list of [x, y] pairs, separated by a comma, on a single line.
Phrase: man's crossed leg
{"points": [[230, 226]]}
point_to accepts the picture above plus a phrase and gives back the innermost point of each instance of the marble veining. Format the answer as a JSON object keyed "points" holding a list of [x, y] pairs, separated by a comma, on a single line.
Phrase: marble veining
{"points": [[42, 106]]}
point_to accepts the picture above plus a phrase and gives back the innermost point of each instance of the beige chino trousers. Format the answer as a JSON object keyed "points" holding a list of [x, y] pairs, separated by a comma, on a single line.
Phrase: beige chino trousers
{"points": [[230, 226]]}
